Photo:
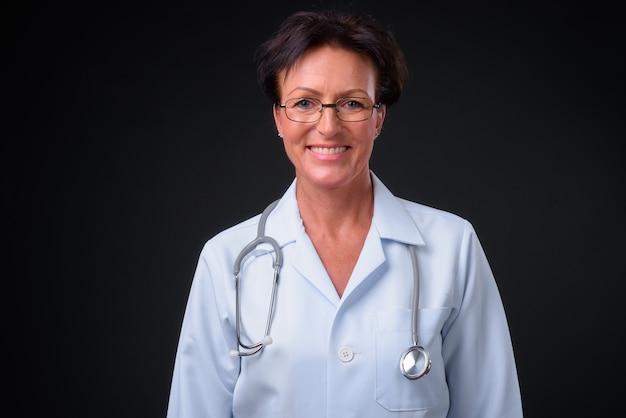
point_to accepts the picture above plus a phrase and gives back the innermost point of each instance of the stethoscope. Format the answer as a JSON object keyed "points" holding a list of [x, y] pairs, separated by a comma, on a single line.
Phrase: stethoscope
{"points": [[414, 362]]}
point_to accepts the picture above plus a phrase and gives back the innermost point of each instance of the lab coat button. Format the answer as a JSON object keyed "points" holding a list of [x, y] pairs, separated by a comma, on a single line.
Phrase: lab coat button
{"points": [[346, 354]]}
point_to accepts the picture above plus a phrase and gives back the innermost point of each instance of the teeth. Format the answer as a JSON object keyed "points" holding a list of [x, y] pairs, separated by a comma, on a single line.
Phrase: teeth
{"points": [[323, 150]]}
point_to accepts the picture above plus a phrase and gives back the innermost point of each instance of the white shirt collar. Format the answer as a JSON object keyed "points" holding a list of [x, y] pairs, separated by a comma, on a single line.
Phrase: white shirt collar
{"points": [[391, 218]]}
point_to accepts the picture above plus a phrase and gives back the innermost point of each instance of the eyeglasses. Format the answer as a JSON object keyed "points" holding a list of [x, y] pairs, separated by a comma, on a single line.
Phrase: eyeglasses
{"points": [[349, 109]]}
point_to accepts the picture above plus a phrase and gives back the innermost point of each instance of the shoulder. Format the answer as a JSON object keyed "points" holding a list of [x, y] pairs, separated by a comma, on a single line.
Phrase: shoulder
{"points": [[432, 221], [230, 240], [245, 229], [422, 211]]}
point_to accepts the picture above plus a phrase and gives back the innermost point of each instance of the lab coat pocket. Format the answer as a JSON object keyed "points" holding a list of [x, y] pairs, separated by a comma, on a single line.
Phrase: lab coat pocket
{"points": [[394, 391]]}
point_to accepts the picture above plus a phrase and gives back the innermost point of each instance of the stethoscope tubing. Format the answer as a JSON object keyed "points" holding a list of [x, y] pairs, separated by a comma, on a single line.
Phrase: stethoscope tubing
{"points": [[278, 261], [415, 361]]}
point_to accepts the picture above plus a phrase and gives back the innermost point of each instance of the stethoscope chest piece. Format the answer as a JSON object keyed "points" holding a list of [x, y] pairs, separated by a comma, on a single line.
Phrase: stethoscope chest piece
{"points": [[415, 362]]}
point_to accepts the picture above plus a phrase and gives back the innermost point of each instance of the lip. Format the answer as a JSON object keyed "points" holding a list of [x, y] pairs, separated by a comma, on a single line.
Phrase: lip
{"points": [[328, 152]]}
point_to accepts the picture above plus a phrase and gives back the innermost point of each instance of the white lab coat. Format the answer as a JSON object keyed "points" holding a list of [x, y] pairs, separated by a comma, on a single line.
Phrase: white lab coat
{"points": [[340, 357]]}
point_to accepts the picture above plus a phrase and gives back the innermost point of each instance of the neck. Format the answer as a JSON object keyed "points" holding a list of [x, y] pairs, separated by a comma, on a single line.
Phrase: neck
{"points": [[336, 209]]}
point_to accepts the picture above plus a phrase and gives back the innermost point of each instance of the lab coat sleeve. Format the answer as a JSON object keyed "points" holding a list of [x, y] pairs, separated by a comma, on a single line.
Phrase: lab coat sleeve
{"points": [[477, 349], [204, 375]]}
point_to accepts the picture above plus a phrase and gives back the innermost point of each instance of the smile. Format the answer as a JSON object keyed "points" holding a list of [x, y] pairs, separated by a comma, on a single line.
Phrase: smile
{"points": [[329, 151]]}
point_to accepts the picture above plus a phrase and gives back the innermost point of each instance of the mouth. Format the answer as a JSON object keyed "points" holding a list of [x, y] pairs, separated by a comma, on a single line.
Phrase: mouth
{"points": [[328, 150]]}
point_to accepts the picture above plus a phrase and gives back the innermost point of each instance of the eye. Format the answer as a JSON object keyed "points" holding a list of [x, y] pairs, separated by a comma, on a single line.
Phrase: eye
{"points": [[353, 104], [305, 104]]}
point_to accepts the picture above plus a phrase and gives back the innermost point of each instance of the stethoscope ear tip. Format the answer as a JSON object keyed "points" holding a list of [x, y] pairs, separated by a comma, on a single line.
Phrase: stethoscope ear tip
{"points": [[233, 354]]}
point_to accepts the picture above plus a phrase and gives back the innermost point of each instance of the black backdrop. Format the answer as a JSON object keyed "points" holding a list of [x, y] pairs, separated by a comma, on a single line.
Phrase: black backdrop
{"points": [[125, 149]]}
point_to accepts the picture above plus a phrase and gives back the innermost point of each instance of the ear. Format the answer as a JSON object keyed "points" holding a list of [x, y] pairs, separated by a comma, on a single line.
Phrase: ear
{"points": [[380, 114], [277, 114]]}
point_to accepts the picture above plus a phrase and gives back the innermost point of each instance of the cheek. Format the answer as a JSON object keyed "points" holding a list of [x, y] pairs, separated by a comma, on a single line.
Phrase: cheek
{"points": [[292, 142], [283, 124], [367, 131], [294, 132]]}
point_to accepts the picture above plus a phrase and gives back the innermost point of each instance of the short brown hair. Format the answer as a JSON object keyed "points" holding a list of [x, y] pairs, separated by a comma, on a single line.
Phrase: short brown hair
{"points": [[353, 31]]}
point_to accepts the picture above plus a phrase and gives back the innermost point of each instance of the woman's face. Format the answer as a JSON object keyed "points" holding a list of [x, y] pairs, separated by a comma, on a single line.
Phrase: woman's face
{"points": [[329, 153]]}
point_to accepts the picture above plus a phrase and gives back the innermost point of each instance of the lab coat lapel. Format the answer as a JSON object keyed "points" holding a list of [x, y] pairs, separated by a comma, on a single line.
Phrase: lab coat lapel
{"points": [[371, 257], [392, 222], [308, 263], [285, 225]]}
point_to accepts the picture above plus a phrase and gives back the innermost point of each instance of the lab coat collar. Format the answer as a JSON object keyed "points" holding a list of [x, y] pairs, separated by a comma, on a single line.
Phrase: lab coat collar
{"points": [[391, 221], [284, 222], [391, 218]]}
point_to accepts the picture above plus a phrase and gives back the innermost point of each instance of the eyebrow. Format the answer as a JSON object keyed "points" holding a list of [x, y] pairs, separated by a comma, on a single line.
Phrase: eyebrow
{"points": [[346, 93]]}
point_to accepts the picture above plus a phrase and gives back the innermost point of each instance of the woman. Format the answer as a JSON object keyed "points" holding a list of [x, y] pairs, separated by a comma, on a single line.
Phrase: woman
{"points": [[346, 252]]}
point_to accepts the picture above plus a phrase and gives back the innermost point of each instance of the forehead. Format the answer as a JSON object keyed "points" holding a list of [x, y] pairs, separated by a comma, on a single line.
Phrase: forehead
{"points": [[329, 69]]}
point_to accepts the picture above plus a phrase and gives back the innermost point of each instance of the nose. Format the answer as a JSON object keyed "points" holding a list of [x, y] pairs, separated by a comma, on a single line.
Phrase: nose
{"points": [[328, 123]]}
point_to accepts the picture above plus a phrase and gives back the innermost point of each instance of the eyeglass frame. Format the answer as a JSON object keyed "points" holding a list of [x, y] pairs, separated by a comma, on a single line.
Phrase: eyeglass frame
{"points": [[331, 105]]}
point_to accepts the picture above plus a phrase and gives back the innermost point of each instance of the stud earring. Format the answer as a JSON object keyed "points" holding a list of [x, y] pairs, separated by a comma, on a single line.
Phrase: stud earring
{"points": [[280, 135]]}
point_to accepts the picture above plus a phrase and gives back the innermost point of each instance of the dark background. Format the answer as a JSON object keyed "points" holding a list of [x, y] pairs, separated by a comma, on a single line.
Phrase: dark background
{"points": [[134, 134]]}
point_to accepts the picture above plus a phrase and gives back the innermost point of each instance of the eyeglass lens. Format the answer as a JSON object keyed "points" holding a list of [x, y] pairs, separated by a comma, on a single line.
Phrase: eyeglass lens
{"points": [[350, 109]]}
